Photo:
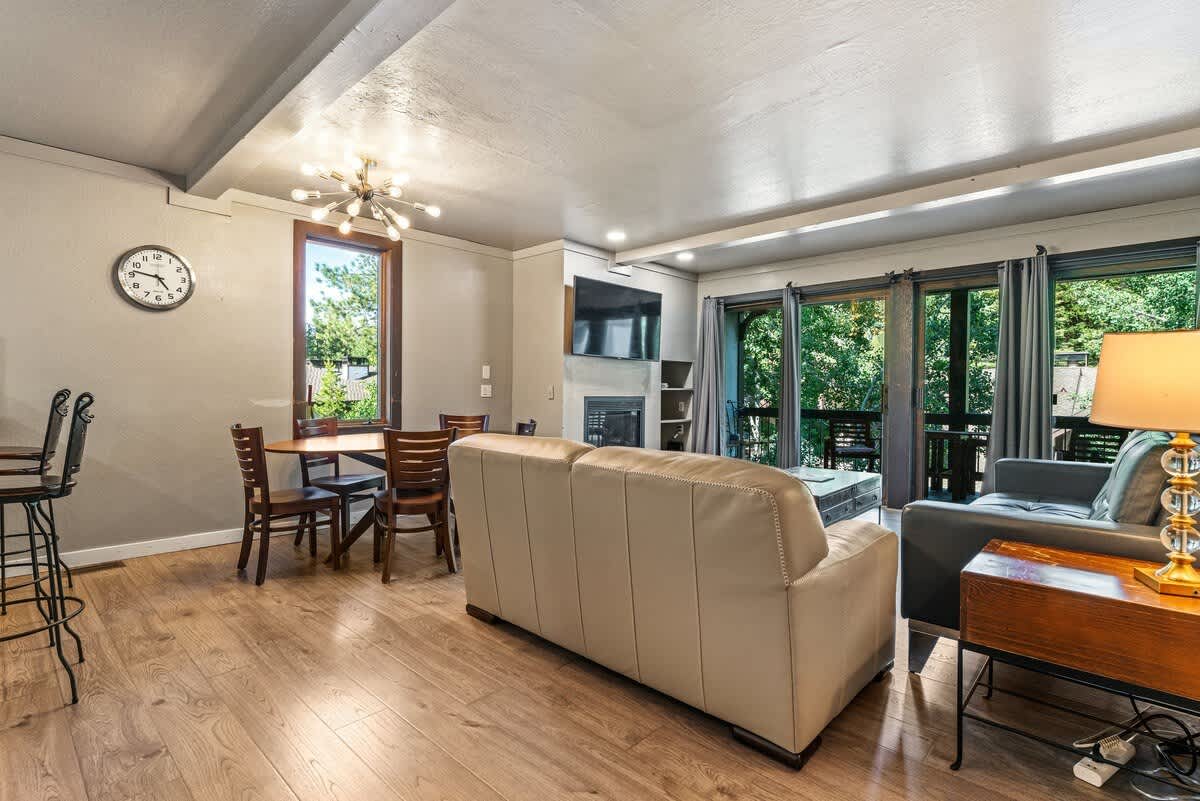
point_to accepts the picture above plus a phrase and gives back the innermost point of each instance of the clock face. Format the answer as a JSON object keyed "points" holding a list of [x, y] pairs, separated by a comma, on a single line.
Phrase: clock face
{"points": [[154, 277]]}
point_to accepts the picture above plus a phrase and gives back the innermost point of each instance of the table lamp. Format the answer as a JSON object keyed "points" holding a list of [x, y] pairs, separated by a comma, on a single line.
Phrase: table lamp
{"points": [[1148, 381]]}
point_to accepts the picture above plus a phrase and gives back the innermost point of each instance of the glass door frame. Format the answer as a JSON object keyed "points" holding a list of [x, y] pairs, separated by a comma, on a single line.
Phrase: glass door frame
{"points": [[924, 289], [816, 296]]}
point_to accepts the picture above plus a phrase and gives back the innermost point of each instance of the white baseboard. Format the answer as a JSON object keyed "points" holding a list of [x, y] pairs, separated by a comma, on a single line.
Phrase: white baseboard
{"points": [[129, 550]]}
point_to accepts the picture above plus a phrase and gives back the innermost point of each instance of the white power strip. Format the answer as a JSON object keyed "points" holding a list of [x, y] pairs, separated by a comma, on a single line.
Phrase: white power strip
{"points": [[1114, 749]]}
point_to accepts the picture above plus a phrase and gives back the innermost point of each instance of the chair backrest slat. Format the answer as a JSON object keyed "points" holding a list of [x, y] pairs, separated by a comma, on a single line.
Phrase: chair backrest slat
{"points": [[466, 424], [416, 460], [851, 432], [251, 458], [316, 427], [59, 410], [81, 418]]}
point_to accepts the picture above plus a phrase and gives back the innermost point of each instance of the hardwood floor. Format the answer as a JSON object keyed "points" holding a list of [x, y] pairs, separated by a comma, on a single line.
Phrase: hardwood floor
{"points": [[318, 685]]}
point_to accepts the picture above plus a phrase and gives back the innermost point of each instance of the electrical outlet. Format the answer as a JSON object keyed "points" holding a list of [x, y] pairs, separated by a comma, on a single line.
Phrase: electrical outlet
{"points": [[485, 390], [487, 372]]}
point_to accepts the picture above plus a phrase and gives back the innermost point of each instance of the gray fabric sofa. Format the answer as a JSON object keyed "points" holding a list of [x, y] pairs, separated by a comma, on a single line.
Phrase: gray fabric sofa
{"points": [[1110, 509]]}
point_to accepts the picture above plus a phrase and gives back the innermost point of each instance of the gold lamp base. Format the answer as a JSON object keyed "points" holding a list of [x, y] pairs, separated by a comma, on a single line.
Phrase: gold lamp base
{"points": [[1178, 576], [1168, 581]]}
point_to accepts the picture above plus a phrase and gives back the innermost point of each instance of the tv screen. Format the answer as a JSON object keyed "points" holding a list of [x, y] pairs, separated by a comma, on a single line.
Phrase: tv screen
{"points": [[616, 321]]}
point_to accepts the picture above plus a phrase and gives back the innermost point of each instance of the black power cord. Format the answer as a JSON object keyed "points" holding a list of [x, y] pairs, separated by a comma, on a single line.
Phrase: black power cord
{"points": [[1178, 756]]}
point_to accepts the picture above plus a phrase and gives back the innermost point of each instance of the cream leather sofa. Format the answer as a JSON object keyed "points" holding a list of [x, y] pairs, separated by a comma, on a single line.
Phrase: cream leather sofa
{"points": [[709, 579]]}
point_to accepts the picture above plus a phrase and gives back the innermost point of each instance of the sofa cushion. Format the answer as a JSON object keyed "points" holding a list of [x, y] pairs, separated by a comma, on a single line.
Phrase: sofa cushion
{"points": [[1131, 494], [1033, 504]]}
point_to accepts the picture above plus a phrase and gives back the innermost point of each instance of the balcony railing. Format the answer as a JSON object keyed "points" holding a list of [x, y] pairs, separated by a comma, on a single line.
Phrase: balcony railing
{"points": [[955, 448]]}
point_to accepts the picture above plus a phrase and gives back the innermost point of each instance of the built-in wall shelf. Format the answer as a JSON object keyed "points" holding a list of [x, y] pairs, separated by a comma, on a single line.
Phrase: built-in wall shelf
{"points": [[676, 404]]}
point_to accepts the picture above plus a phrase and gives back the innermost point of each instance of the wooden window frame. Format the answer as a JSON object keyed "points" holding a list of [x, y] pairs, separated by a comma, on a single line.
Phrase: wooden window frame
{"points": [[391, 264]]}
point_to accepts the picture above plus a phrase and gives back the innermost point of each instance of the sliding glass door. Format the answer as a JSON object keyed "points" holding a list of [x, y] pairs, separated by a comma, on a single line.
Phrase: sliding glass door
{"points": [[960, 333], [841, 387]]}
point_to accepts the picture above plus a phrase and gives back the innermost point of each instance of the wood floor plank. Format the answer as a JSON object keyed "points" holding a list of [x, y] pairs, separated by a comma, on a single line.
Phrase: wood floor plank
{"points": [[37, 755], [121, 754], [215, 755], [316, 764], [411, 763]]}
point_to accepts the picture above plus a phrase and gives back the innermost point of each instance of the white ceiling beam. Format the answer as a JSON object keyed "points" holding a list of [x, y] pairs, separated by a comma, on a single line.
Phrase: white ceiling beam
{"points": [[946, 193], [359, 38]]}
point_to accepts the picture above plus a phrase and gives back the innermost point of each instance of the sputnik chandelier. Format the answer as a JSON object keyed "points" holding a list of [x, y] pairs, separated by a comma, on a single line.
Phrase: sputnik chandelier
{"points": [[358, 195]]}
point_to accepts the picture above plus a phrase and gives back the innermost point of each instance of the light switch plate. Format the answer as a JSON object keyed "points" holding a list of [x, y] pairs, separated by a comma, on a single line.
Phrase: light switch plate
{"points": [[487, 371], [550, 392], [485, 390]]}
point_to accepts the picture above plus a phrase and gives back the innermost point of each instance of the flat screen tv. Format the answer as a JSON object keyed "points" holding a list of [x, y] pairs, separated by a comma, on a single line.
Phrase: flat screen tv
{"points": [[615, 321]]}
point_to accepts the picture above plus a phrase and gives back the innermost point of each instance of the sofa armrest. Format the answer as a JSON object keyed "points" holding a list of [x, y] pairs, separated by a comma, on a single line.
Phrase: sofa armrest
{"points": [[842, 615], [1079, 481], [938, 539]]}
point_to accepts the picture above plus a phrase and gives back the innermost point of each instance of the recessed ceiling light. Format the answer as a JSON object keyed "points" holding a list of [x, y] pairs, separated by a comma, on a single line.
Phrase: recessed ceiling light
{"points": [[685, 257], [616, 235]]}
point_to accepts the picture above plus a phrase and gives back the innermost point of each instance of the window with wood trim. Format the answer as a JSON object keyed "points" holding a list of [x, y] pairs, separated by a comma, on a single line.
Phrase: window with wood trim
{"points": [[346, 324]]}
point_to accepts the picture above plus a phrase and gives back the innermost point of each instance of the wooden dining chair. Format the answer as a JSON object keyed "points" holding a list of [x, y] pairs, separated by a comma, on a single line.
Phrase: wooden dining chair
{"points": [[466, 424], [264, 507], [418, 474], [349, 487], [527, 429]]}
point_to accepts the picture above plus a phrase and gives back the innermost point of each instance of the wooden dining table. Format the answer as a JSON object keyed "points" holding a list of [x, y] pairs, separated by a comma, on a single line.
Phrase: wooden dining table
{"points": [[363, 447]]}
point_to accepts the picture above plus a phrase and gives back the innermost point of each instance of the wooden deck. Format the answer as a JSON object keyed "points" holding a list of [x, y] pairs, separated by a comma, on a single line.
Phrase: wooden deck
{"points": [[198, 686]]}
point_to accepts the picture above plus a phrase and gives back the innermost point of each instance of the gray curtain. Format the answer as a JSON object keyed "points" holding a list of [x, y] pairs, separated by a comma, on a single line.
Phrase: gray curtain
{"points": [[708, 403], [1021, 404], [789, 382]]}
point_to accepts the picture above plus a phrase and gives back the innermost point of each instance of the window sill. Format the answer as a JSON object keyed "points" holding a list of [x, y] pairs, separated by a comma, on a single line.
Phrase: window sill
{"points": [[362, 428]]}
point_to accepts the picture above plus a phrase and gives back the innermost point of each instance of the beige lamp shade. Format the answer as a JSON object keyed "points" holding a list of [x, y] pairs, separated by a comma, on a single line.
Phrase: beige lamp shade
{"points": [[1149, 380]]}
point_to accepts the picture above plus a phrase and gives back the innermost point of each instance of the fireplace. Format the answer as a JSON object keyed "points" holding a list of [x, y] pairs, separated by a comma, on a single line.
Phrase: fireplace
{"points": [[614, 421]]}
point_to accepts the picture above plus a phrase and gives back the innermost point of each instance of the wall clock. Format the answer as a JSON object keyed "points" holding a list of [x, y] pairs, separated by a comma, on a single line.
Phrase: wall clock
{"points": [[154, 277]]}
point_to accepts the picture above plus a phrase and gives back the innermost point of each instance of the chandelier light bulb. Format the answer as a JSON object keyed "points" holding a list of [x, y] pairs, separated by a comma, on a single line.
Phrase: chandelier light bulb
{"points": [[393, 233], [433, 211], [394, 191], [322, 212], [356, 163], [344, 228], [354, 208], [345, 186], [308, 169], [305, 194], [400, 179]]}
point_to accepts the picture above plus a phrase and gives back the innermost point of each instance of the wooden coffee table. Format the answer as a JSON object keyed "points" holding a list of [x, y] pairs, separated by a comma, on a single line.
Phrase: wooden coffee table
{"points": [[1076, 616]]}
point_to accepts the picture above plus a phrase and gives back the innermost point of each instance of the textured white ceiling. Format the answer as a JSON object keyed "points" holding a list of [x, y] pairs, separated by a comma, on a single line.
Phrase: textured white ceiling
{"points": [[147, 82], [530, 120]]}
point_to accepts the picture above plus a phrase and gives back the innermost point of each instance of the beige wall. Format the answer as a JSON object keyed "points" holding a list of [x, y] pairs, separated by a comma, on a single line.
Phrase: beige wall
{"points": [[168, 385], [537, 299]]}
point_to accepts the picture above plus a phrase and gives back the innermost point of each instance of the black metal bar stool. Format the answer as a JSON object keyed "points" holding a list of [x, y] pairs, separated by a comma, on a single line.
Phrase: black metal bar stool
{"points": [[34, 492], [30, 460]]}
